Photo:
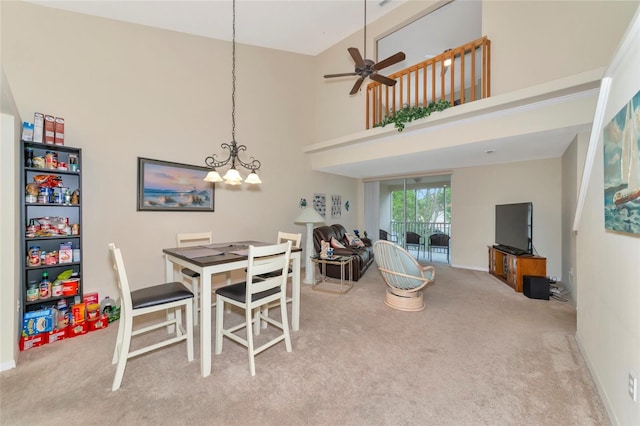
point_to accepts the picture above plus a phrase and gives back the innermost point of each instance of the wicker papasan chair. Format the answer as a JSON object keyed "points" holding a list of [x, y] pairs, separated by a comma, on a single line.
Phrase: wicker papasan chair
{"points": [[403, 274]]}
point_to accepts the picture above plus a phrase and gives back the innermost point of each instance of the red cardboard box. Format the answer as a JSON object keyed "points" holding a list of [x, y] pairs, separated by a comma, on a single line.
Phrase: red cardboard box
{"points": [[90, 298], [77, 329], [56, 335], [99, 323], [28, 342]]}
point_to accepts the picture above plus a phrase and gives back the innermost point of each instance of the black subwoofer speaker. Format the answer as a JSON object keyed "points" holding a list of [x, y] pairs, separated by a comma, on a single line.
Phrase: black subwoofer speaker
{"points": [[535, 287]]}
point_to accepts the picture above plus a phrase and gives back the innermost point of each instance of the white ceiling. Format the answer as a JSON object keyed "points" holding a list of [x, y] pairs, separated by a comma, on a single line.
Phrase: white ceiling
{"points": [[300, 26]]}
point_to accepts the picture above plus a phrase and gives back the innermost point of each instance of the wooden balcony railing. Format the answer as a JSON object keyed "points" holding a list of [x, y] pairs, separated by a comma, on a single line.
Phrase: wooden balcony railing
{"points": [[458, 75]]}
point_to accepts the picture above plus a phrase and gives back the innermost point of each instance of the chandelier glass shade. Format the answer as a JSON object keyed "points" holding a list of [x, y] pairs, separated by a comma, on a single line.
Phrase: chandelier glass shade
{"points": [[232, 176]]}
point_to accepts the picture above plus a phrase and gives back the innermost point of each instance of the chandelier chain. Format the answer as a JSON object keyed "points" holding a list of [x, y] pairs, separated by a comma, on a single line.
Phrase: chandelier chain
{"points": [[233, 75], [233, 148]]}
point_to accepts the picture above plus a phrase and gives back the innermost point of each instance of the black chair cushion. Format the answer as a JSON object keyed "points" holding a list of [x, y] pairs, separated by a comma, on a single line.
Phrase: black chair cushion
{"points": [[159, 294], [238, 292], [188, 272], [273, 274]]}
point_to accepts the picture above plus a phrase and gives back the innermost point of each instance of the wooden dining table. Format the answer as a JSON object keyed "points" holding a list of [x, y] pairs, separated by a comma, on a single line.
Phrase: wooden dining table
{"points": [[212, 259]]}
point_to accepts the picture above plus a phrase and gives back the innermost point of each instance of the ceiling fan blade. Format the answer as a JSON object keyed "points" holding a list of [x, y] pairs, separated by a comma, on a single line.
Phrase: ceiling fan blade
{"points": [[357, 58], [393, 59], [382, 79], [356, 86], [344, 74]]}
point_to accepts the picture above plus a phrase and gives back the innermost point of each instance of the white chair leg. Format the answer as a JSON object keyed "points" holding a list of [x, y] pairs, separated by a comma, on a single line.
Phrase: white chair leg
{"points": [[285, 324], [178, 320], [190, 317], [219, 324], [118, 349], [196, 300], [248, 313], [123, 355]]}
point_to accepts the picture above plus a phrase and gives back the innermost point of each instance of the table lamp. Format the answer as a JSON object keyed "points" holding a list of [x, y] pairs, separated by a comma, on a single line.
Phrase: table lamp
{"points": [[309, 217]]}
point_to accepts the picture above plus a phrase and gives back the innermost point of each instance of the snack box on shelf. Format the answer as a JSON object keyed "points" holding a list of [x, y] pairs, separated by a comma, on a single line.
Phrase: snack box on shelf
{"points": [[57, 335], [77, 329], [90, 298], [99, 323], [37, 322], [28, 342]]}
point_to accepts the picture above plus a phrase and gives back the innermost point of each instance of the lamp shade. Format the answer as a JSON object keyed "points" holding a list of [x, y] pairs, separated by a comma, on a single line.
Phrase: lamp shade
{"points": [[213, 176], [232, 177], [253, 178], [309, 215]]}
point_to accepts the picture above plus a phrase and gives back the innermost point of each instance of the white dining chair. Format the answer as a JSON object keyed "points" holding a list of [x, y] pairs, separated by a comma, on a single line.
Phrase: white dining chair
{"points": [[296, 240], [254, 293], [189, 277], [172, 297]]}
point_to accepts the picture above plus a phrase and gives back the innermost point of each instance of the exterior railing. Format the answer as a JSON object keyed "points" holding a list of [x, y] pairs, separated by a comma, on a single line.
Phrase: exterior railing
{"points": [[424, 229], [459, 75]]}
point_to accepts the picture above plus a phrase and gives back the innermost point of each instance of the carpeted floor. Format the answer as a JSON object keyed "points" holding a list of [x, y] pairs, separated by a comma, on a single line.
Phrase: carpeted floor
{"points": [[479, 354]]}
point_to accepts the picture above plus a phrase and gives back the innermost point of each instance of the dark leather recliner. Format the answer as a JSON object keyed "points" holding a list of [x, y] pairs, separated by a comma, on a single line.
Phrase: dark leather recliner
{"points": [[364, 255]]}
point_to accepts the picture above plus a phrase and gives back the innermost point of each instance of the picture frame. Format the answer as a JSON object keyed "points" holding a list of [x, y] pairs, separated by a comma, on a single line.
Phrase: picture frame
{"points": [[168, 186], [621, 154]]}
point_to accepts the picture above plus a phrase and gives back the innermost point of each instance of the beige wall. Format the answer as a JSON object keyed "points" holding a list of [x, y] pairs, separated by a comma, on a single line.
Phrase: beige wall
{"points": [[550, 39], [608, 267], [572, 166], [127, 91], [476, 190], [10, 125]]}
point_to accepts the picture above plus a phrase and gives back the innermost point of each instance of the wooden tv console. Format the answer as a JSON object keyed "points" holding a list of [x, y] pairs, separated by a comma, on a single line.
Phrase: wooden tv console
{"points": [[510, 268]]}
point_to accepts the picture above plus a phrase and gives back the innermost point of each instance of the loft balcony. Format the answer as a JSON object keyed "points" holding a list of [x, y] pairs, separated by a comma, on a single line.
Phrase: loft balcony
{"points": [[459, 75], [529, 123]]}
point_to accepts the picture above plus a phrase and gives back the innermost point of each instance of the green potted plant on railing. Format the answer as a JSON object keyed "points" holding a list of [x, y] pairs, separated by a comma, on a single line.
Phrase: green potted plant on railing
{"points": [[407, 114]]}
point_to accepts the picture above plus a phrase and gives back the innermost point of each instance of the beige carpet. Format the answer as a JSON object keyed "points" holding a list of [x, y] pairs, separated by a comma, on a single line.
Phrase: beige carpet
{"points": [[479, 354]]}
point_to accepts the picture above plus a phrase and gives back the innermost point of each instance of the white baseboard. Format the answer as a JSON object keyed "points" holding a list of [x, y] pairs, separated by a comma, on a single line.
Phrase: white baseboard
{"points": [[471, 268], [603, 395], [8, 365]]}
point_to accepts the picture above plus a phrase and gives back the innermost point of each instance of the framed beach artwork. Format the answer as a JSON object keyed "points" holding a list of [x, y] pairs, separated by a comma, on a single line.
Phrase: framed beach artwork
{"points": [[168, 186], [622, 169]]}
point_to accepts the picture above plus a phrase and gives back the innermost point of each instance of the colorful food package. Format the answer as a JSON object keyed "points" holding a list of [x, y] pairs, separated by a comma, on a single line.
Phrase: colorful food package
{"points": [[27, 132], [59, 131], [36, 322], [38, 127], [49, 129], [65, 254]]}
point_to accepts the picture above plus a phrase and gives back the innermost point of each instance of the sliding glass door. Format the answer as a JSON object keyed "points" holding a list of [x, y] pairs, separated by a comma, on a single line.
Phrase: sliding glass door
{"points": [[413, 208]]}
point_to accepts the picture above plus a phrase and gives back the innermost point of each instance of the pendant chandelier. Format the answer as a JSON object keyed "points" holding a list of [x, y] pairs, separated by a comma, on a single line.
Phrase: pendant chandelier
{"points": [[232, 176]]}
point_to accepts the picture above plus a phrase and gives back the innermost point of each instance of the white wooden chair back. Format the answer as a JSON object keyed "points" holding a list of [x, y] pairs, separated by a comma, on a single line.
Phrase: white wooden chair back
{"points": [[193, 239], [296, 239], [123, 283], [189, 277], [264, 262]]}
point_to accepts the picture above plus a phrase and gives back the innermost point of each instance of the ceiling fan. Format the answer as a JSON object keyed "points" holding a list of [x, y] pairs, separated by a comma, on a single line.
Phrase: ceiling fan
{"points": [[366, 67]]}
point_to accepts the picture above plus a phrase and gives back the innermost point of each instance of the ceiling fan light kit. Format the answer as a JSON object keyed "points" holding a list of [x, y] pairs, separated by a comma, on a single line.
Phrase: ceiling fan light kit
{"points": [[366, 67]]}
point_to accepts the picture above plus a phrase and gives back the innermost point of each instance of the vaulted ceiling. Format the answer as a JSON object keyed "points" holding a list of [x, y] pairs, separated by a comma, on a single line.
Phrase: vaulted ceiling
{"points": [[300, 26]]}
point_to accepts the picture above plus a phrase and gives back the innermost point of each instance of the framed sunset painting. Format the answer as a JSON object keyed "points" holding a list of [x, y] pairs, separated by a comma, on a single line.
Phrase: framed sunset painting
{"points": [[168, 186]]}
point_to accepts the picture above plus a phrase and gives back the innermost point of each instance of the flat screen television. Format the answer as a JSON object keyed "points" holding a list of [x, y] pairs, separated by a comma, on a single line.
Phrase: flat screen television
{"points": [[514, 228]]}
